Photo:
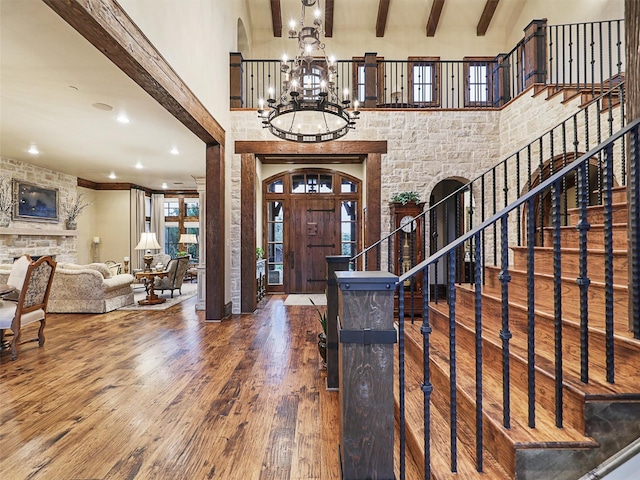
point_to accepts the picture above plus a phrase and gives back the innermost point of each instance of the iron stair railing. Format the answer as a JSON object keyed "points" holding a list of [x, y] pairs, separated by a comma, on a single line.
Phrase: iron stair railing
{"points": [[610, 149]]}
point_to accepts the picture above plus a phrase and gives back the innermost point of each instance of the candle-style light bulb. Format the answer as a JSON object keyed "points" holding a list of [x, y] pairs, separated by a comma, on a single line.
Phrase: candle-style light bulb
{"points": [[346, 94], [261, 103], [356, 104]]}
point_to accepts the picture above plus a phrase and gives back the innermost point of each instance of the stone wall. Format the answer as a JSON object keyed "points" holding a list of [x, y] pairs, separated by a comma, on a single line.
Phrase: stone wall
{"points": [[63, 247], [427, 147], [424, 148]]}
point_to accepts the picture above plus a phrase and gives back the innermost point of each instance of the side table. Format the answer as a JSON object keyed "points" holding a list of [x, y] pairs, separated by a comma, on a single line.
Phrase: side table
{"points": [[149, 277]]}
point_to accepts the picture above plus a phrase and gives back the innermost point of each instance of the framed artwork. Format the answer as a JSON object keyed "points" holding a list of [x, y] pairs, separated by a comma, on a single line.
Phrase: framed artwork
{"points": [[35, 203]]}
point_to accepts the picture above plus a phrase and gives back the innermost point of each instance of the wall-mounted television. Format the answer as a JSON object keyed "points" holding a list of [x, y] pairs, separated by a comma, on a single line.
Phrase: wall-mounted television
{"points": [[35, 203]]}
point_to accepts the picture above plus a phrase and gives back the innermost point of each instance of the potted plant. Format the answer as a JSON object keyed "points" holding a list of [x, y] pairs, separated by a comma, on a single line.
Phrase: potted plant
{"points": [[259, 253], [182, 253], [322, 337], [73, 210], [405, 197], [6, 202]]}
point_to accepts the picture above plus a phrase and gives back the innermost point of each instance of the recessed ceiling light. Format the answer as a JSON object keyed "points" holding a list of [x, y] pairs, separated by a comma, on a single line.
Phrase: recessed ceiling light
{"points": [[174, 151], [122, 118], [102, 106], [112, 176], [139, 166], [33, 150], [164, 185]]}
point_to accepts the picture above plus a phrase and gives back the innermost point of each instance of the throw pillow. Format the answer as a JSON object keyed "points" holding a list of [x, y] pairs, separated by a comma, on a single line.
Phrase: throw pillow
{"points": [[102, 268]]}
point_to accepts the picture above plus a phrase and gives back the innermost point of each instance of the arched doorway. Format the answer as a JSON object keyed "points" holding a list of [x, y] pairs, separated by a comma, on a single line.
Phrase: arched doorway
{"points": [[307, 215], [449, 218]]}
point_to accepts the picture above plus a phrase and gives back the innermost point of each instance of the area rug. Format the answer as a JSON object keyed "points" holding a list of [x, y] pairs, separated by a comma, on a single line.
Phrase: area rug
{"points": [[189, 290], [304, 299]]}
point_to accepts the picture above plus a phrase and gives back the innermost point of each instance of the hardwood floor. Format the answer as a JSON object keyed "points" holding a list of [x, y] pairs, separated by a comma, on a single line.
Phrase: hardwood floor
{"points": [[164, 395]]}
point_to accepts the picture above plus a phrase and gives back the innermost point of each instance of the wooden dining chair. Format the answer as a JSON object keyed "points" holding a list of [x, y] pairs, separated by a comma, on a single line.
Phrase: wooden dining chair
{"points": [[31, 305]]}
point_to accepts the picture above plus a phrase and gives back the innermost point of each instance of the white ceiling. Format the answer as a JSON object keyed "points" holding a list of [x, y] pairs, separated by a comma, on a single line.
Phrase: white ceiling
{"points": [[50, 77]]}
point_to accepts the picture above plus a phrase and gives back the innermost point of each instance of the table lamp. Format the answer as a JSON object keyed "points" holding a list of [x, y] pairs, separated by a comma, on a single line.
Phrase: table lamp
{"points": [[186, 239], [148, 242]]}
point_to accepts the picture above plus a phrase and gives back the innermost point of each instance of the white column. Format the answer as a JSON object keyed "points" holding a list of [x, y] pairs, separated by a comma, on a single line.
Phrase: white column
{"points": [[202, 245]]}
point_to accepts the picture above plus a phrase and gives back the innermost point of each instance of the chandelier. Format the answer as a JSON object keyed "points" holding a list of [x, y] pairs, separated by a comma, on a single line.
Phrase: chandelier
{"points": [[308, 109]]}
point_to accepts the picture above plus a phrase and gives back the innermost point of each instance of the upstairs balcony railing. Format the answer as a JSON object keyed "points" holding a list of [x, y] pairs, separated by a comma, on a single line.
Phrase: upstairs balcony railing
{"points": [[584, 56]]}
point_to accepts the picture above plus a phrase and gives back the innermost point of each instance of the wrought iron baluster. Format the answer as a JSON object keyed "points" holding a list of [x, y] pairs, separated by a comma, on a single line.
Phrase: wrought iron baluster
{"points": [[576, 144], [557, 299], [634, 226], [478, 322], [482, 215], [610, 45], [598, 141], [495, 208], [608, 262], [531, 316], [564, 179], [578, 56], [505, 333], [426, 386], [402, 383], [453, 420], [550, 29], [583, 281], [435, 249], [593, 62], [570, 54], [601, 62], [518, 212], [541, 196]]}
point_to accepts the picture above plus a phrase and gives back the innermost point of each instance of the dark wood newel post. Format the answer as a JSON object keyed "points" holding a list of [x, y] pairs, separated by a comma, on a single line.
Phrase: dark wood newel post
{"points": [[335, 263], [235, 80], [366, 337], [535, 52], [370, 81]]}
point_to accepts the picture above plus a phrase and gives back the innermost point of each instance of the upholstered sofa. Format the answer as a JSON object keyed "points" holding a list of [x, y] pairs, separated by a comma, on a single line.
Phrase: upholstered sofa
{"points": [[85, 288]]}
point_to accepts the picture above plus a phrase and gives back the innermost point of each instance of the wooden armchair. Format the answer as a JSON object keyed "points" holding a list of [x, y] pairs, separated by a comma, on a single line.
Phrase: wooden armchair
{"points": [[177, 268], [32, 301]]}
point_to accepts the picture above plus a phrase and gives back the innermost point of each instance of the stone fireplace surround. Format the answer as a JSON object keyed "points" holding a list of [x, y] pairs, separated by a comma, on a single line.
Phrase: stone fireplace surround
{"points": [[39, 238]]}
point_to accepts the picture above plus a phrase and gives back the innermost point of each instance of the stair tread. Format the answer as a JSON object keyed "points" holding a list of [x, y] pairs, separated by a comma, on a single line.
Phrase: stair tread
{"points": [[618, 251], [519, 271], [545, 433], [440, 435], [597, 387]]}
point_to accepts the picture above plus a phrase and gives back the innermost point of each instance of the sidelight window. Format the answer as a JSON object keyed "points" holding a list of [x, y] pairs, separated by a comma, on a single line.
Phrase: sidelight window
{"points": [[275, 243], [349, 228]]}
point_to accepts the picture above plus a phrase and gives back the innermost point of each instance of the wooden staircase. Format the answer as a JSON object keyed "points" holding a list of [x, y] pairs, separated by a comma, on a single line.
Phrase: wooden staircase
{"points": [[598, 418]]}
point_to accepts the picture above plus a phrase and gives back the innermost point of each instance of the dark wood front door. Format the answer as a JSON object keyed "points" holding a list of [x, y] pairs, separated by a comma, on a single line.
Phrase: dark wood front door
{"points": [[313, 231]]}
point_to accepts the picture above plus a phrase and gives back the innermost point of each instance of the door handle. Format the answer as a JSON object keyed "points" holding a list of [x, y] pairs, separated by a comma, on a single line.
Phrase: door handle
{"points": [[292, 255]]}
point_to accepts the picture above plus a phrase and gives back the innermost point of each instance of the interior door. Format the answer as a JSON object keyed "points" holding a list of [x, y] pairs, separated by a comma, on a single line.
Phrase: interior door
{"points": [[313, 235]]}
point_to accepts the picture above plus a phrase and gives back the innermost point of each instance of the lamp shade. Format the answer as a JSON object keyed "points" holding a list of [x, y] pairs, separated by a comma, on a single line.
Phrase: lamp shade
{"points": [[148, 241], [188, 238]]}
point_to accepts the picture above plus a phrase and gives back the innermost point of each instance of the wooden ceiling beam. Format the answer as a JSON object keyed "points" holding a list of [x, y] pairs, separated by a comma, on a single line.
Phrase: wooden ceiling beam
{"points": [[328, 18], [108, 28], [381, 22], [276, 18], [434, 17], [485, 18]]}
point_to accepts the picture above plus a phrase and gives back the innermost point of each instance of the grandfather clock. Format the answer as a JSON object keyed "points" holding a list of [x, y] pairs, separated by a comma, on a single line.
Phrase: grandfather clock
{"points": [[407, 247]]}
